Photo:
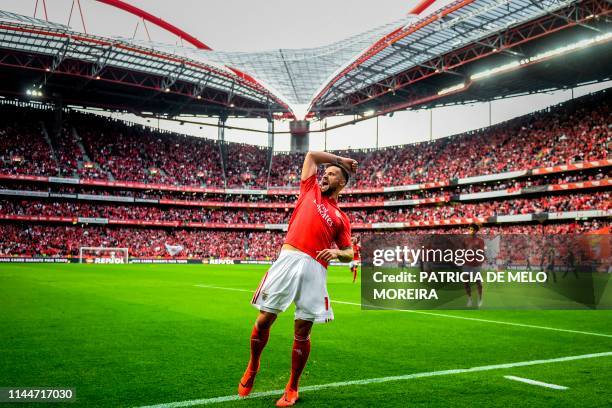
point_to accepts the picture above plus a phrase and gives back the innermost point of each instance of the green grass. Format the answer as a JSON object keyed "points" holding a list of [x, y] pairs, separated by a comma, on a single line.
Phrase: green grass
{"points": [[140, 334]]}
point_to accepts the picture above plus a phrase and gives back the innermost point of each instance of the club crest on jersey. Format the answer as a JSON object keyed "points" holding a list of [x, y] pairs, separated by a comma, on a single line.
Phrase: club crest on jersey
{"points": [[323, 212]]}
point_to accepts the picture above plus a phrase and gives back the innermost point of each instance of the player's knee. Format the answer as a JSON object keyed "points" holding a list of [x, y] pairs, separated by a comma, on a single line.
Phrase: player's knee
{"points": [[302, 328], [265, 320]]}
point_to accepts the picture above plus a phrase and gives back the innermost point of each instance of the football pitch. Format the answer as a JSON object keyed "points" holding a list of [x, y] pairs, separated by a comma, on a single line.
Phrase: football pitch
{"points": [[178, 335]]}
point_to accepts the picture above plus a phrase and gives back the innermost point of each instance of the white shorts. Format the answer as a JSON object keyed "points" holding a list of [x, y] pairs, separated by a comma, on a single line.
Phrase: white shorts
{"points": [[354, 263], [295, 277]]}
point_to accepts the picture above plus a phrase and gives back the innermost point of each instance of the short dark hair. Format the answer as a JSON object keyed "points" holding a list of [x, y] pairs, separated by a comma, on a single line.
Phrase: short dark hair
{"points": [[344, 171]]}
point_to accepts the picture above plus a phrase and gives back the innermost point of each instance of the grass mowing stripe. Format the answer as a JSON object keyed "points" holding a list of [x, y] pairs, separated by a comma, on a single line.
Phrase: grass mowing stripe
{"points": [[475, 319], [534, 382], [222, 288], [216, 400]]}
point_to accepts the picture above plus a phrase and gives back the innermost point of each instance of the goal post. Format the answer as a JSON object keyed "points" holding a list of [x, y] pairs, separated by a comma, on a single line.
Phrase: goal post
{"points": [[103, 255]]}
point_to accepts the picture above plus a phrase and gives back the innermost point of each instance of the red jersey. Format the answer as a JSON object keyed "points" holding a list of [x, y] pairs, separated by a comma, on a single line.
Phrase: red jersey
{"points": [[356, 249], [317, 221]]}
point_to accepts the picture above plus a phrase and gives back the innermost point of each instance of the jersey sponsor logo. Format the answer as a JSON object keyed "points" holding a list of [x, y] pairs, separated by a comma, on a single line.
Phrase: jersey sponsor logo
{"points": [[324, 213]]}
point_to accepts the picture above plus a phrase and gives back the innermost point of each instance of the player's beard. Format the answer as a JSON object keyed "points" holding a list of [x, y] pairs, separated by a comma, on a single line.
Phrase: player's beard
{"points": [[329, 192]]}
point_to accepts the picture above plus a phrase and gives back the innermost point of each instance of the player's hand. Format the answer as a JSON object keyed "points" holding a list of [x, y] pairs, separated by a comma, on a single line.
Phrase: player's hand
{"points": [[350, 164], [327, 255]]}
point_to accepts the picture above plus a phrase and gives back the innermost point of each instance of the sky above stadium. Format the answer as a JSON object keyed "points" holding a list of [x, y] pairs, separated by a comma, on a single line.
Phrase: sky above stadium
{"points": [[241, 25]]}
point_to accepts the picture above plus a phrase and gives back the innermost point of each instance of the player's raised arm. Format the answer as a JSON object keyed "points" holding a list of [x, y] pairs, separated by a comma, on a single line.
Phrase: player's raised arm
{"points": [[315, 159]]}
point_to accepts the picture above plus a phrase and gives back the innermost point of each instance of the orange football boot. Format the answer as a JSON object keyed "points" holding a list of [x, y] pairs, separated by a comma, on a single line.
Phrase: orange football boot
{"points": [[288, 399]]}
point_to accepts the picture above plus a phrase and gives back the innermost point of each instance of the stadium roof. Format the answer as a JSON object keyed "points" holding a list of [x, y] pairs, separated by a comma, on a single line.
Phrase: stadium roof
{"points": [[295, 74], [399, 65], [55, 48], [453, 27]]}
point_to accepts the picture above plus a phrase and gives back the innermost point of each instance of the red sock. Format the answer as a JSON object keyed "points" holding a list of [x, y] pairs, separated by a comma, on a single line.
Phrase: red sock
{"points": [[259, 339], [299, 357]]}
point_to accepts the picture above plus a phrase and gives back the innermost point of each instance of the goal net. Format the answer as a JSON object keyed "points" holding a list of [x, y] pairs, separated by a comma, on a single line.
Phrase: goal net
{"points": [[103, 255]]}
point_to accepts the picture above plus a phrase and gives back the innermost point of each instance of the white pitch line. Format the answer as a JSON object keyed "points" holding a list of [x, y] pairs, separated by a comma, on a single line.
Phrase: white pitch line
{"points": [[216, 400], [534, 382], [475, 319]]}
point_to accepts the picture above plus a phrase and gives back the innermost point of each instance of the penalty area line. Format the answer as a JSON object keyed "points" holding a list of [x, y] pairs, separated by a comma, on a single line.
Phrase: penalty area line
{"points": [[474, 319], [216, 400]]}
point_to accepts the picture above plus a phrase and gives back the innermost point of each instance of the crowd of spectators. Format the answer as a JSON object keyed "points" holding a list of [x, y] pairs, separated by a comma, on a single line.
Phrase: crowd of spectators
{"points": [[89, 146], [48, 240], [598, 174], [578, 130], [575, 131], [286, 168], [447, 192], [23, 148], [142, 213], [443, 211], [246, 166], [134, 153], [69, 155], [512, 206], [30, 240]]}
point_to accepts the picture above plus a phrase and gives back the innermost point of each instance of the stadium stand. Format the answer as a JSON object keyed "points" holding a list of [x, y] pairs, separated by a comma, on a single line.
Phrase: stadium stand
{"points": [[131, 152], [42, 240], [184, 199], [571, 132], [575, 131], [551, 203], [246, 166], [24, 146], [31, 240]]}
